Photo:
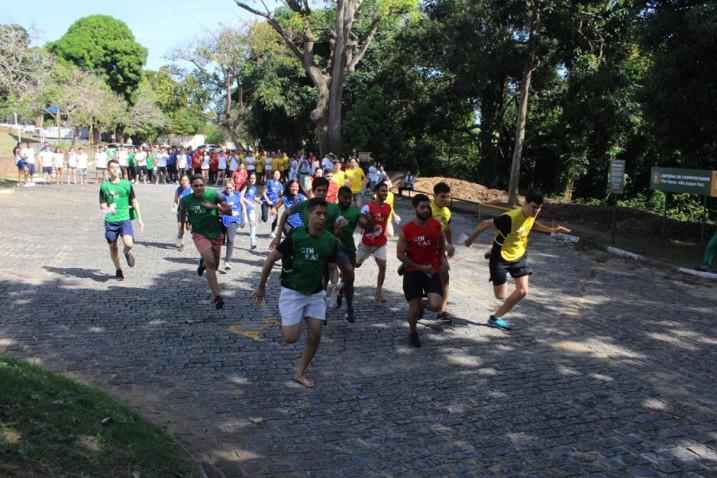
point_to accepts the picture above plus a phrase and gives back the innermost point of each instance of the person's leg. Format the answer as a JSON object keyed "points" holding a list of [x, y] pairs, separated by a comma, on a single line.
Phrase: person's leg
{"points": [[275, 215], [211, 270], [313, 338], [414, 311], [444, 275], [347, 277], [252, 228], [379, 279], [114, 255], [521, 290], [231, 234], [264, 212]]}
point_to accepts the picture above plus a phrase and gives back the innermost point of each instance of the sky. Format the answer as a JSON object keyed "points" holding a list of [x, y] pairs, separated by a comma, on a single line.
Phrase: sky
{"points": [[158, 25]]}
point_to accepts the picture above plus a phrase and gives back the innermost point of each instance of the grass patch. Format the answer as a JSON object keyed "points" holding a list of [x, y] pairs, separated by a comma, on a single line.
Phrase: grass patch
{"points": [[51, 426]]}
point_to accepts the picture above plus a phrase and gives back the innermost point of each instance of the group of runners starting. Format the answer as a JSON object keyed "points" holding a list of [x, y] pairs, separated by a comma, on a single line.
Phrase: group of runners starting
{"points": [[313, 238]]}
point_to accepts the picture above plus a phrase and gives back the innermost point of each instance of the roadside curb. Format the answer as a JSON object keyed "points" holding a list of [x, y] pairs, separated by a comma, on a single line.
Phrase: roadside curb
{"points": [[632, 256]]}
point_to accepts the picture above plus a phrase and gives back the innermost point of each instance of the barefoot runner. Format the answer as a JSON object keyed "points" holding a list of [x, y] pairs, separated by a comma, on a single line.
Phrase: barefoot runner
{"points": [[305, 253], [203, 207], [509, 253], [420, 248], [119, 205]]}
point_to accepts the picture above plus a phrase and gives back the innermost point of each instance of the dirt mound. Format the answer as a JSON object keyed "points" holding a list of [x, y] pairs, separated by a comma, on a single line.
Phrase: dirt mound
{"points": [[461, 189]]}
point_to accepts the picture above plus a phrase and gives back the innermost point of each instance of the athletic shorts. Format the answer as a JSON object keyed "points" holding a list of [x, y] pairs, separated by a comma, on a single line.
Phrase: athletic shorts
{"points": [[47, 169], [31, 168], [162, 169], [203, 244], [100, 169], [363, 252], [113, 230], [295, 306], [416, 284], [21, 165], [83, 171], [344, 257], [499, 268]]}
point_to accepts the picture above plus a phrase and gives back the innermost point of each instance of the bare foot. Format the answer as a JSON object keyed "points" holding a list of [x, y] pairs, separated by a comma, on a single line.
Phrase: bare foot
{"points": [[379, 298], [303, 381]]}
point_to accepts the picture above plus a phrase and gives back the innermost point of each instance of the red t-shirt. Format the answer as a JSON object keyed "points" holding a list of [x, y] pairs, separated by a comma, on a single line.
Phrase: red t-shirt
{"points": [[333, 192], [239, 177], [197, 159], [423, 243], [379, 218], [214, 162]]}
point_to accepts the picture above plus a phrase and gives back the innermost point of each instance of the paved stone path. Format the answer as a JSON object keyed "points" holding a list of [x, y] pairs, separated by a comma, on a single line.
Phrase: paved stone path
{"points": [[610, 371]]}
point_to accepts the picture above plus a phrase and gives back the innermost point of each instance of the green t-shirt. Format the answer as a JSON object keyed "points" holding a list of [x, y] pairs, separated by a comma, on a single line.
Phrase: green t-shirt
{"points": [[120, 194], [150, 161], [204, 221], [352, 215], [305, 259], [130, 159], [332, 212]]}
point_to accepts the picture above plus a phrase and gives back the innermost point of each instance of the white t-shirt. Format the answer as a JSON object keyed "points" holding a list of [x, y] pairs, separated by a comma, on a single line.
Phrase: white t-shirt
{"points": [[29, 155], [268, 164], [46, 159], [82, 160], [326, 164], [182, 161], [205, 161], [141, 158], [72, 160], [101, 159], [222, 162], [233, 163], [162, 160], [58, 159], [372, 173], [250, 162], [122, 157]]}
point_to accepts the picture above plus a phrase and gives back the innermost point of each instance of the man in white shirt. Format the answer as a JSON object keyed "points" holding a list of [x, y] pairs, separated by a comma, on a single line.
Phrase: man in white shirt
{"points": [[327, 164], [122, 159], [82, 165], [161, 163], [28, 154], [372, 176], [46, 158], [101, 159], [250, 162]]}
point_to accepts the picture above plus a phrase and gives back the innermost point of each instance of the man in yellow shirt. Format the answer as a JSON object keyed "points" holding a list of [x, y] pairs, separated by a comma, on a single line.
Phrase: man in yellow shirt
{"points": [[357, 181], [509, 252], [441, 213], [339, 176]]}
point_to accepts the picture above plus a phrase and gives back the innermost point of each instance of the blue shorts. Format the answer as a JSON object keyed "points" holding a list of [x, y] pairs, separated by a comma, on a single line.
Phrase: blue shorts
{"points": [[21, 165], [115, 229], [47, 169], [31, 168]]}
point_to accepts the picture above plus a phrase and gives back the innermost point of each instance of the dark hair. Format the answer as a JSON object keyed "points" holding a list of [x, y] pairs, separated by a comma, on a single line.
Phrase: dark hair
{"points": [[195, 177], [536, 197], [318, 182], [379, 186], [112, 161], [313, 202], [418, 199], [288, 186], [441, 188], [345, 190]]}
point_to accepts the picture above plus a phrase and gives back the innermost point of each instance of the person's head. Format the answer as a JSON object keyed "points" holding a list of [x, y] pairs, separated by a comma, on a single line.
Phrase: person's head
{"points": [[337, 164], [277, 176], [533, 204], [252, 178], [422, 204], [353, 163], [320, 186], [345, 197], [442, 194], [229, 186], [81, 150], [408, 173], [184, 181], [318, 172], [197, 181], [329, 174], [242, 166], [293, 187], [58, 149], [381, 191], [317, 213], [27, 145], [114, 168]]}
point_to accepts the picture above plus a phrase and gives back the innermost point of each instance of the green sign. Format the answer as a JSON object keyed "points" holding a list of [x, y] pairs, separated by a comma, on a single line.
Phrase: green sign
{"points": [[616, 177], [677, 180]]}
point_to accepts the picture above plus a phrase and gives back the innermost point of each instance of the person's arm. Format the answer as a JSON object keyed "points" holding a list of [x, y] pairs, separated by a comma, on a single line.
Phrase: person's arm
{"points": [[135, 205], [448, 240], [260, 291], [543, 228], [104, 207], [401, 247], [478, 230], [182, 220], [442, 252], [175, 203], [282, 222]]}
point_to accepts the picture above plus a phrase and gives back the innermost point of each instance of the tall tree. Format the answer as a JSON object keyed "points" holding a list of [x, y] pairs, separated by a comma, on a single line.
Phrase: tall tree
{"points": [[104, 45], [330, 50]]}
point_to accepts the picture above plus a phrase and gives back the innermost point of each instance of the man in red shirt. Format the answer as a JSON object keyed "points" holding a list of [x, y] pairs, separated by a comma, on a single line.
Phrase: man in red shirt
{"points": [[421, 248], [373, 239]]}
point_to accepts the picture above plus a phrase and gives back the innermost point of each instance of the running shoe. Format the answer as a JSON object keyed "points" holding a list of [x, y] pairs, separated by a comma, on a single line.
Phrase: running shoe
{"points": [[487, 255], [253, 246], [349, 317], [401, 270], [444, 317], [218, 302], [130, 258], [201, 268], [227, 266], [119, 275], [414, 339], [499, 323]]}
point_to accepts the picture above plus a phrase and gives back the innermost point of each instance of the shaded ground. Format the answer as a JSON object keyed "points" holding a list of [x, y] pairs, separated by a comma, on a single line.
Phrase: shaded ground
{"points": [[610, 370]]}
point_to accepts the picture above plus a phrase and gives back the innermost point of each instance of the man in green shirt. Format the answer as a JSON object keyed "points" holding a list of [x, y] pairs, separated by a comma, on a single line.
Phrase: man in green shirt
{"points": [[203, 207], [349, 217], [119, 205], [306, 254]]}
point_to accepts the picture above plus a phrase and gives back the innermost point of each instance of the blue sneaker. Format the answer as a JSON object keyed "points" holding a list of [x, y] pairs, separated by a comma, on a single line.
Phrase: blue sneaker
{"points": [[498, 322]]}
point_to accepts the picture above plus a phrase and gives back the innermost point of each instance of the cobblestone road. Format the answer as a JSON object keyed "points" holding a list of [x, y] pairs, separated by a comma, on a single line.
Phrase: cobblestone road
{"points": [[609, 372]]}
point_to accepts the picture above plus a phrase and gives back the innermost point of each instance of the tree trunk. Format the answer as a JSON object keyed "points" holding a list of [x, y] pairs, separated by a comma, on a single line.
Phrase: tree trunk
{"points": [[568, 193], [344, 23], [522, 113], [320, 115]]}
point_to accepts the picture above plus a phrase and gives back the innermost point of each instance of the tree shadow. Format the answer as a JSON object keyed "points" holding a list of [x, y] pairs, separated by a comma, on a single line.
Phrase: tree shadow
{"points": [[80, 273]]}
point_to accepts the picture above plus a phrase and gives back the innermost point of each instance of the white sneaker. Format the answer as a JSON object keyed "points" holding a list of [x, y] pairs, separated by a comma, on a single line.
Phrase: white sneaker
{"points": [[227, 266]]}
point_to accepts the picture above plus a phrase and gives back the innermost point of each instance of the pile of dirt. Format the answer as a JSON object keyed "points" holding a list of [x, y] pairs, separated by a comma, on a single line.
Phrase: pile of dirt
{"points": [[461, 189]]}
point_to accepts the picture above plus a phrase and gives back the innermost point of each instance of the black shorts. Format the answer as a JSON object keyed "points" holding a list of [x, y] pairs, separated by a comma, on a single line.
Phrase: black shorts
{"points": [[417, 284], [499, 268], [344, 257]]}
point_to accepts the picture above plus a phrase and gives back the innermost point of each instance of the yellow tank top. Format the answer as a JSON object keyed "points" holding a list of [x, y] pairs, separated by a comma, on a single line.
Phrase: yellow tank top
{"points": [[512, 236]]}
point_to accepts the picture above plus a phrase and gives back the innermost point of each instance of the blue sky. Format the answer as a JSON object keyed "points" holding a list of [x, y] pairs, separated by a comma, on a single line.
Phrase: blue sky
{"points": [[158, 25]]}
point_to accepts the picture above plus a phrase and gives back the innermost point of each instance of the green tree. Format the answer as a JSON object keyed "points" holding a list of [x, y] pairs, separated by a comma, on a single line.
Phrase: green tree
{"points": [[104, 45]]}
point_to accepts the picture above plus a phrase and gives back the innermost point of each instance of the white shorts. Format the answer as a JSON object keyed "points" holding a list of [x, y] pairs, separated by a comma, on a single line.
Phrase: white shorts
{"points": [[363, 252], [295, 306]]}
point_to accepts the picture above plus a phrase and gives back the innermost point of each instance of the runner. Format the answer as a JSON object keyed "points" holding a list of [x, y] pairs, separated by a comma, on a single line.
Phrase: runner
{"points": [[441, 213], [349, 217], [305, 253], [421, 249], [509, 252], [119, 205], [373, 239], [357, 181], [270, 198], [291, 196], [248, 206], [202, 208], [184, 189], [231, 221]]}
